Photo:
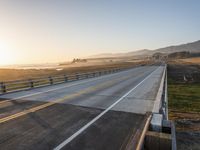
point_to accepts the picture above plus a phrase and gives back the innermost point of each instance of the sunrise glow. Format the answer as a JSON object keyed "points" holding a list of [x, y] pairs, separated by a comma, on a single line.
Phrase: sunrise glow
{"points": [[6, 55]]}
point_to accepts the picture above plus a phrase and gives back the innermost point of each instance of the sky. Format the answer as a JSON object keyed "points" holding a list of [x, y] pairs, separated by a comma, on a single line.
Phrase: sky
{"points": [[45, 31]]}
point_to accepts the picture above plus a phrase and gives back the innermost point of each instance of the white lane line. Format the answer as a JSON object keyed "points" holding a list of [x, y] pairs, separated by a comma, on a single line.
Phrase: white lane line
{"points": [[60, 146], [37, 93]]}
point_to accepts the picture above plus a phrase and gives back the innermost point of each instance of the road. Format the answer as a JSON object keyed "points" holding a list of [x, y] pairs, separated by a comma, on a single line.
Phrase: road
{"points": [[106, 112]]}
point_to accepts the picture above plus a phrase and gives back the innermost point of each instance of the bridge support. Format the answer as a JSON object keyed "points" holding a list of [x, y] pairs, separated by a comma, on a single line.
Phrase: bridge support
{"points": [[160, 136]]}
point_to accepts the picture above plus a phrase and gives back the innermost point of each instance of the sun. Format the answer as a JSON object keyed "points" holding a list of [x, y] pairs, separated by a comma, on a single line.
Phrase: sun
{"points": [[6, 55]]}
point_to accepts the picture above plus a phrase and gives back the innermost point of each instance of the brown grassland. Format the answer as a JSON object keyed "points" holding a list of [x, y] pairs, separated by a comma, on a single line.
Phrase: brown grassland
{"points": [[192, 60], [23, 74]]}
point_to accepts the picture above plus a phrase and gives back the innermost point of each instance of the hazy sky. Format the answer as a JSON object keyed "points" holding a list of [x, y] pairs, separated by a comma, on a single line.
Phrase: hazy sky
{"points": [[39, 31]]}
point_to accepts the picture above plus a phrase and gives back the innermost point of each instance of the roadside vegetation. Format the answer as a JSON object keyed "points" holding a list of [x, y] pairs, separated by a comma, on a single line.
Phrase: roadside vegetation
{"points": [[184, 97], [184, 101]]}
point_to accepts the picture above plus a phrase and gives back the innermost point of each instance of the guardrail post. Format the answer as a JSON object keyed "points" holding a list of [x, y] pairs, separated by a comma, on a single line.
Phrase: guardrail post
{"points": [[173, 132], [77, 77], [87, 75], [31, 83], [65, 78], [51, 80], [3, 87]]}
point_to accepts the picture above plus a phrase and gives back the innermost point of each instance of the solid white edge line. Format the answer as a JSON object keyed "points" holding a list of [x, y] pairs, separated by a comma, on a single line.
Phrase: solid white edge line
{"points": [[37, 93], [60, 146]]}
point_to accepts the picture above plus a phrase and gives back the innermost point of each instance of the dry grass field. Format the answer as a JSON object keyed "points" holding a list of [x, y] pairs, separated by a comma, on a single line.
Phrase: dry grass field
{"points": [[194, 60], [20, 74]]}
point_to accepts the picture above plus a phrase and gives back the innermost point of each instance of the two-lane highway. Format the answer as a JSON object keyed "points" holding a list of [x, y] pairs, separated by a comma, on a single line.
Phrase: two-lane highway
{"points": [[106, 112]]}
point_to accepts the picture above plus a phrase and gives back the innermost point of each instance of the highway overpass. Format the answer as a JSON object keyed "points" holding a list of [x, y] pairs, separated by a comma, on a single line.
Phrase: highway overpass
{"points": [[108, 112]]}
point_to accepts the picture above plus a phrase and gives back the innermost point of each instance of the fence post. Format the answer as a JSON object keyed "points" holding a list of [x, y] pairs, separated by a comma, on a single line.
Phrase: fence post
{"points": [[3, 87], [77, 77], [31, 83], [65, 78], [86, 75], [50, 80]]}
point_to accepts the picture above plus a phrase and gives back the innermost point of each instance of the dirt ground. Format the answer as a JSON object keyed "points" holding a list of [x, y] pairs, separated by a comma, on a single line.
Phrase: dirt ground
{"points": [[183, 89], [181, 72]]}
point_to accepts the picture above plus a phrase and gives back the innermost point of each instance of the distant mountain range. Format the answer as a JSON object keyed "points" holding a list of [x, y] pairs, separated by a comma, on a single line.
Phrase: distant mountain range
{"points": [[193, 47]]}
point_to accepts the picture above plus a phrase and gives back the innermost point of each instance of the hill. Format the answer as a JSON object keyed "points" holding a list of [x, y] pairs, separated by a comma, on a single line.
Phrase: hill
{"points": [[193, 47], [128, 54]]}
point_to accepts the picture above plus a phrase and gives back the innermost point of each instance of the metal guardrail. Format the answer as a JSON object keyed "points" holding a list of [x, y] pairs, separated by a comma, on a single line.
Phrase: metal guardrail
{"points": [[161, 102], [12, 86], [163, 107], [166, 97], [164, 111]]}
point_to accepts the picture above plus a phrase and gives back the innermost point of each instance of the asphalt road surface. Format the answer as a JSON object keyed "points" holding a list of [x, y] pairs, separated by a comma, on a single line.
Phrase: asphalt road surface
{"points": [[102, 113]]}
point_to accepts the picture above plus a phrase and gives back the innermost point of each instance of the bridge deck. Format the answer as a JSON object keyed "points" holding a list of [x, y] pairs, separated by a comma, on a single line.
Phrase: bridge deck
{"points": [[43, 118]]}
